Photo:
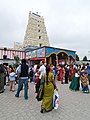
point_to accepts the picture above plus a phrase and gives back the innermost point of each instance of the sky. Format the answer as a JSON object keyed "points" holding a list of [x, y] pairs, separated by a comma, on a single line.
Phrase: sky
{"points": [[67, 22]]}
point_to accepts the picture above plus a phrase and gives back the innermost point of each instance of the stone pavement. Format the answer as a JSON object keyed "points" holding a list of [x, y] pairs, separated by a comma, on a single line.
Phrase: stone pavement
{"points": [[72, 106]]}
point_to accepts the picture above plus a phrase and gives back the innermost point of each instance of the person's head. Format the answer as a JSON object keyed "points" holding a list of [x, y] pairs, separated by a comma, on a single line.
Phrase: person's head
{"points": [[87, 64], [23, 61], [43, 62], [40, 62]]}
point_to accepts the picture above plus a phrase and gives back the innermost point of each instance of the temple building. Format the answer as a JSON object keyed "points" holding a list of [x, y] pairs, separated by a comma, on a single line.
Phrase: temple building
{"points": [[37, 47], [51, 55], [36, 34]]}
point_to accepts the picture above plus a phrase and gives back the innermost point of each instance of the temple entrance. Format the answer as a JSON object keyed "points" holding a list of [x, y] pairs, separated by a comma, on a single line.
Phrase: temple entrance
{"points": [[62, 58], [51, 59]]}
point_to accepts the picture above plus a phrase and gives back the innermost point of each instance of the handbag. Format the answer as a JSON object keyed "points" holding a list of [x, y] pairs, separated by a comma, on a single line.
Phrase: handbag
{"points": [[55, 99], [40, 93]]}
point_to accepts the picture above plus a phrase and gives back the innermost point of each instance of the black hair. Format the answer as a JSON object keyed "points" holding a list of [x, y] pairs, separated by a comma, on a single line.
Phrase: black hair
{"points": [[43, 61], [23, 61], [47, 73], [83, 68]]}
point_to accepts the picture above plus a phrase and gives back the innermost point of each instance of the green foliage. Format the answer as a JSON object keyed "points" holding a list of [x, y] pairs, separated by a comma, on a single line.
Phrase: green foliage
{"points": [[85, 58], [77, 57], [17, 60]]}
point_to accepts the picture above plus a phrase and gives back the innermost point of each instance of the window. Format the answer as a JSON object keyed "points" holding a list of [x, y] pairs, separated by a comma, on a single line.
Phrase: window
{"points": [[38, 30], [38, 25], [39, 37], [40, 44]]}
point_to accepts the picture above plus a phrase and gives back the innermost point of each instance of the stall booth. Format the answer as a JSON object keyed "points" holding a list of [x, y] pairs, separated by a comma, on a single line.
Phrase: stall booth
{"points": [[7, 56], [51, 55]]}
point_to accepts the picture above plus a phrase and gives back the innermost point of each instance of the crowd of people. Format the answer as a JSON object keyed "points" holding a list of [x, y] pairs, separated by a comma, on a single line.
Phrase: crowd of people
{"points": [[77, 75]]}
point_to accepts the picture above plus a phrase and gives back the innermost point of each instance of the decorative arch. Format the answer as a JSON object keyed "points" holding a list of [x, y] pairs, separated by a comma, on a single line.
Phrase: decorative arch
{"points": [[71, 56], [51, 58], [51, 54], [62, 57], [62, 51]]}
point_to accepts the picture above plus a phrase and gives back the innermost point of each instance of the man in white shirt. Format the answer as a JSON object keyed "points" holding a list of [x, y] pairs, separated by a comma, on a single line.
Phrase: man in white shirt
{"points": [[42, 69]]}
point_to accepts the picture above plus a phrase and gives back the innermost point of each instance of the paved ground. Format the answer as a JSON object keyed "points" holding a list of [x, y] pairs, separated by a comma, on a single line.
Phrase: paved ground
{"points": [[73, 106]]}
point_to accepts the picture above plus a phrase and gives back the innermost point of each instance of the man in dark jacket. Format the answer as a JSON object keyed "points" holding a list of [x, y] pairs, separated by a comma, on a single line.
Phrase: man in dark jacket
{"points": [[23, 71]]}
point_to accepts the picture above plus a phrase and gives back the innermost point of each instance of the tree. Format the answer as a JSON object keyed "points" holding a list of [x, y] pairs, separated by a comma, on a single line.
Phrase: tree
{"points": [[77, 57], [17, 60], [85, 58]]}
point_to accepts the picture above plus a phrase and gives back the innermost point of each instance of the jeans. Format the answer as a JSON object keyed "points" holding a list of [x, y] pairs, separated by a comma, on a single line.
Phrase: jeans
{"points": [[34, 76], [25, 82], [89, 78], [31, 79], [85, 88]]}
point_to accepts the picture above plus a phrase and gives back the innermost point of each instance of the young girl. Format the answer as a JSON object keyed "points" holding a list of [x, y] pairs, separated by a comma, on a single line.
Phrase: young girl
{"points": [[37, 78], [12, 80]]}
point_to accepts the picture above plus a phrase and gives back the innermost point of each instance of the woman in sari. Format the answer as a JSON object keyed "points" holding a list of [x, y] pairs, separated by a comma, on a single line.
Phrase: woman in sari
{"points": [[84, 80], [71, 73], [75, 84], [62, 74], [59, 73], [49, 86]]}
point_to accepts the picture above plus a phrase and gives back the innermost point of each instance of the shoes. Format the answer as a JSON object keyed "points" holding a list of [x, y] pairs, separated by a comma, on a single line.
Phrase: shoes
{"points": [[1, 91], [17, 96], [26, 98], [13, 90], [42, 111]]}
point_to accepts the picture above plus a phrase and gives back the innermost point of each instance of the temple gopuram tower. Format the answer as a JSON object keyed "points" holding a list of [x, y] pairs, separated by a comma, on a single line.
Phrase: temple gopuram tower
{"points": [[36, 34]]}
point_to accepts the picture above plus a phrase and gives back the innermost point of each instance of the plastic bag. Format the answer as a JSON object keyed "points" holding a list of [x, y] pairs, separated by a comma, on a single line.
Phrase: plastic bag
{"points": [[55, 99]]}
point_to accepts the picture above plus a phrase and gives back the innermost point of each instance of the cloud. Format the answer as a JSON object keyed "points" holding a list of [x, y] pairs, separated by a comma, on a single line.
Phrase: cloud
{"points": [[67, 22]]}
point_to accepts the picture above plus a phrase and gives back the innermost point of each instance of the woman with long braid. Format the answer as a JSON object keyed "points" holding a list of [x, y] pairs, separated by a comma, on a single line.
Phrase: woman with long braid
{"points": [[49, 86]]}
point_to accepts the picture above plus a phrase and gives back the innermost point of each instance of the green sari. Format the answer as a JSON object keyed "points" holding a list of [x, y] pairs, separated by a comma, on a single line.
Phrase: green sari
{"points": [[47, 102], [75, 84]]}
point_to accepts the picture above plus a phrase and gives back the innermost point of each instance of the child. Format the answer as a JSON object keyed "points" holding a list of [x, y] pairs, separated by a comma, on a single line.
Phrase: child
{"points": [[12, 80], [31, 75], [37, 79]]}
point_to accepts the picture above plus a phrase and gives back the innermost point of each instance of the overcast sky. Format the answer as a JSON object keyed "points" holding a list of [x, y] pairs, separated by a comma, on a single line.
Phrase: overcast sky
{"points": [[67, 22]]}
